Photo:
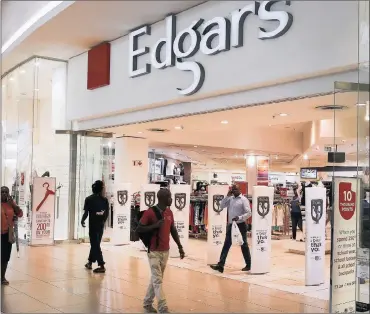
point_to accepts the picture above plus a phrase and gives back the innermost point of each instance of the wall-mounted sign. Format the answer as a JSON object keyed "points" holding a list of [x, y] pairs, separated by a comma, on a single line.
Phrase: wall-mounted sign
{"points": [[210, 37], [137, 163]]}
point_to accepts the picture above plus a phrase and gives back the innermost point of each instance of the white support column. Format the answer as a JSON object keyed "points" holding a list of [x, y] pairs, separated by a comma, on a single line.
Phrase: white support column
{"points": [[251, 172], [131, 162]]}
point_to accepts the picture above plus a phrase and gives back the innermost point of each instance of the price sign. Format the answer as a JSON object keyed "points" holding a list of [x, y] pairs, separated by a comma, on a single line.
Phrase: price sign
{"points": [[347, 200]]}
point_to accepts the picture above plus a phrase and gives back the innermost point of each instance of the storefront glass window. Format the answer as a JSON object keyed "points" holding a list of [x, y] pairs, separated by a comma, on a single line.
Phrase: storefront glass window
{"points": [[33, 107]]}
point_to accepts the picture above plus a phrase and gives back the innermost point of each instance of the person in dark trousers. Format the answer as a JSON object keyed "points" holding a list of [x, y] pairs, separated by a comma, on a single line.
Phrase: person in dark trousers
{"points": [[239, 210], [296, 215], [9, 211], [159, 248], [97, 208]]}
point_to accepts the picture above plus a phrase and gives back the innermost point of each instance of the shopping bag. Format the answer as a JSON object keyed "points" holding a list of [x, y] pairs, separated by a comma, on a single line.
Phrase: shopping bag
{"points": [[236, 236]]}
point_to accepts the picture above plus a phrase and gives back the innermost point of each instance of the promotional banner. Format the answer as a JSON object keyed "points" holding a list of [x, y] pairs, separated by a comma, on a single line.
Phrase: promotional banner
{"points": [[315, 236], [180, 209], [343, 264], [262, 206], [217, 221], [122, 213], [148, 196], [22, 191], [262, 171], [43, 207]]}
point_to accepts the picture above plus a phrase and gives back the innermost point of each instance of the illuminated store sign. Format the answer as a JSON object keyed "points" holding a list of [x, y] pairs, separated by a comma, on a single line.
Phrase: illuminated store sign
{"points": [[210, 37]]}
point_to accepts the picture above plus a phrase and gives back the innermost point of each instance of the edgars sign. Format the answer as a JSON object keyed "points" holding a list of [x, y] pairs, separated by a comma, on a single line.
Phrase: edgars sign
{"points": [[202, 36]]}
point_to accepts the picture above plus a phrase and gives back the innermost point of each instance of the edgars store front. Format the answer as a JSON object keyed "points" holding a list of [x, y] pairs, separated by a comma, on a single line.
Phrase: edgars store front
{"points": [[250, 88]]}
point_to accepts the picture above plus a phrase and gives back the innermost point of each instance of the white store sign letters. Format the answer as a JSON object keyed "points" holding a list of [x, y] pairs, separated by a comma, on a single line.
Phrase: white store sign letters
{"points": [[210, 37]]}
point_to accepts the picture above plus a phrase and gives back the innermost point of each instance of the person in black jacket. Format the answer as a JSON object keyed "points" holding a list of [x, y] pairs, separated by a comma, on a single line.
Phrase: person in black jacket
{"points": [[97, 208]]}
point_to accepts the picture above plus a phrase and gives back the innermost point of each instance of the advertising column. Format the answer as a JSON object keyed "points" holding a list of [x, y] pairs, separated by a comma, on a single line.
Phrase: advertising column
{"points": [[217, 220], [148, 196], [343, 264], [43, 206], [315, 236], [122, 214], [262, 205], [180, 208]]}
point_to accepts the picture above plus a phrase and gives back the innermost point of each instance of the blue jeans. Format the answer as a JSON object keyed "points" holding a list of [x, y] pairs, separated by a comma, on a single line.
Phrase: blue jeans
{"points": [[245, 249]]}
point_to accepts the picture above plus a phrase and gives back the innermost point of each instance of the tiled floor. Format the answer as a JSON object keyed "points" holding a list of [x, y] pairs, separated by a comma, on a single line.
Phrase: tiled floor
{"points": [[53, 280]]}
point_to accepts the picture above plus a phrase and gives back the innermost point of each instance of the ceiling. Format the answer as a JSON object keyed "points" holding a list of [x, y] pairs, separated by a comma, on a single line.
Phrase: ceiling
{"points": [[84, 24], [209, 143]]}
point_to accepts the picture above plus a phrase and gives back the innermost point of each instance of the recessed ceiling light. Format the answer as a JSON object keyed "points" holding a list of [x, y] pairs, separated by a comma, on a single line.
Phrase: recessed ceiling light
{"points": [[22, 71], [270, 124], [179, 127], [361, 105], [195, 146], [140, 132], [11, 79], [305, 157], [283, 114], [224, 122]]}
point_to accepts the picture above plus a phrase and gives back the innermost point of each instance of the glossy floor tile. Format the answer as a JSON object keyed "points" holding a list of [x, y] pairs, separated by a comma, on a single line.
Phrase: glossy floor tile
{"points": [[53, 280]]}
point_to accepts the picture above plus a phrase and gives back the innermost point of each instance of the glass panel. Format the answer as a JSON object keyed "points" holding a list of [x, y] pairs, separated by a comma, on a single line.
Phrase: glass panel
{"points": [[95, 159]]}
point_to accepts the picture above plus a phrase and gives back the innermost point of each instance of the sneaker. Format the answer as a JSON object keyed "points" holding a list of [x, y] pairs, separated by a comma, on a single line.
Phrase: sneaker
{"points": [[246, 268], [88, 266], [99, 270], [149, 309], [4, 282], [218, 268]]}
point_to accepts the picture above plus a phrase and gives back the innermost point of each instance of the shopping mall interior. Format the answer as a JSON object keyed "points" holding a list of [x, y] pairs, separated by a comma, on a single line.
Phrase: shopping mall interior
{"points": [[295, 137]]}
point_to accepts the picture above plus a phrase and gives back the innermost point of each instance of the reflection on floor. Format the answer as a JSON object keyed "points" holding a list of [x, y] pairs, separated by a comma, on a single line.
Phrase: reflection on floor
{"points": [[53, 280]]}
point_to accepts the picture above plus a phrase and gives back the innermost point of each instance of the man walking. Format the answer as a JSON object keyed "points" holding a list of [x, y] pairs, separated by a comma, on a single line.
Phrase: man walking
{"points": [[238, 210], [159, 246], [96, 207]]}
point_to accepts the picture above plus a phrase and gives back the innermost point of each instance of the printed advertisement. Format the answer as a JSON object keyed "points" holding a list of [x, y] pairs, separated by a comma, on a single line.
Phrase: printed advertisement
{"points": [[122, 214], [217, 221], [262, 171], [343, 273], [22, 191], [315, 236], [43, 207], [262, 205], [180, 208]]}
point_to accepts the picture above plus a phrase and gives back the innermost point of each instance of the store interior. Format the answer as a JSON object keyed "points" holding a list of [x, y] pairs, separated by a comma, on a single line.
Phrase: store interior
{"points": [[295, 137], [217, 148]]}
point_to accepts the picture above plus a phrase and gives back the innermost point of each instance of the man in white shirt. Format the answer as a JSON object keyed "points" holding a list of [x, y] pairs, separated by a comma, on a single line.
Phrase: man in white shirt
{"points": [[238, 210]]}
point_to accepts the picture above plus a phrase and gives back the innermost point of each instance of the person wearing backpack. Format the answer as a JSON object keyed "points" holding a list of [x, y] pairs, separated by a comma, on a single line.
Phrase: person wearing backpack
{"points": [[154, 229], [97, 208]]}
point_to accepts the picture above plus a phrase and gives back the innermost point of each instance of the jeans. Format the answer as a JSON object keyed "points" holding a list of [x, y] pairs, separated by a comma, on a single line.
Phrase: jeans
{"points": [[296, 221], [245, 249], [96, 254], [157, 262]]}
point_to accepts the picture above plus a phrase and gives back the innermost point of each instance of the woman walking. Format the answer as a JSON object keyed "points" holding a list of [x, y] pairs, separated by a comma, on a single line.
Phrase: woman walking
{"points": [[9, 211]]}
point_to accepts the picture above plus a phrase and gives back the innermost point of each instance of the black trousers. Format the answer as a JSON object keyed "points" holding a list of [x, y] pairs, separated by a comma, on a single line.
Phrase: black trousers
{"points": [[296, 221], [227, 245], [96, 255], [6, 248]]}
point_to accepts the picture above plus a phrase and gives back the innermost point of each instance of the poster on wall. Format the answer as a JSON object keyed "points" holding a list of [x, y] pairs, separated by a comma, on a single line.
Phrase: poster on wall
{"points": [[217, 220], [148, 196], [180, 209], [262, 171], [43, 208], [22, 191], [344, 250], [315, 236], [122, 213], [262, 206]]}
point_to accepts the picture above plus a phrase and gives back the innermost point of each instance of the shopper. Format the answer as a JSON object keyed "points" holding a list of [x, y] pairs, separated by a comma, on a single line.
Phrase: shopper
{"points": [[159, 246], [97, 208], [296, 215], [9, 211], [238, 210]]}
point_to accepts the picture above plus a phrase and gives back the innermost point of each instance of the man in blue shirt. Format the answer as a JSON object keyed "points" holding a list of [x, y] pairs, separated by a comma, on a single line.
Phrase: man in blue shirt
{"points": [[238, 210]]}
